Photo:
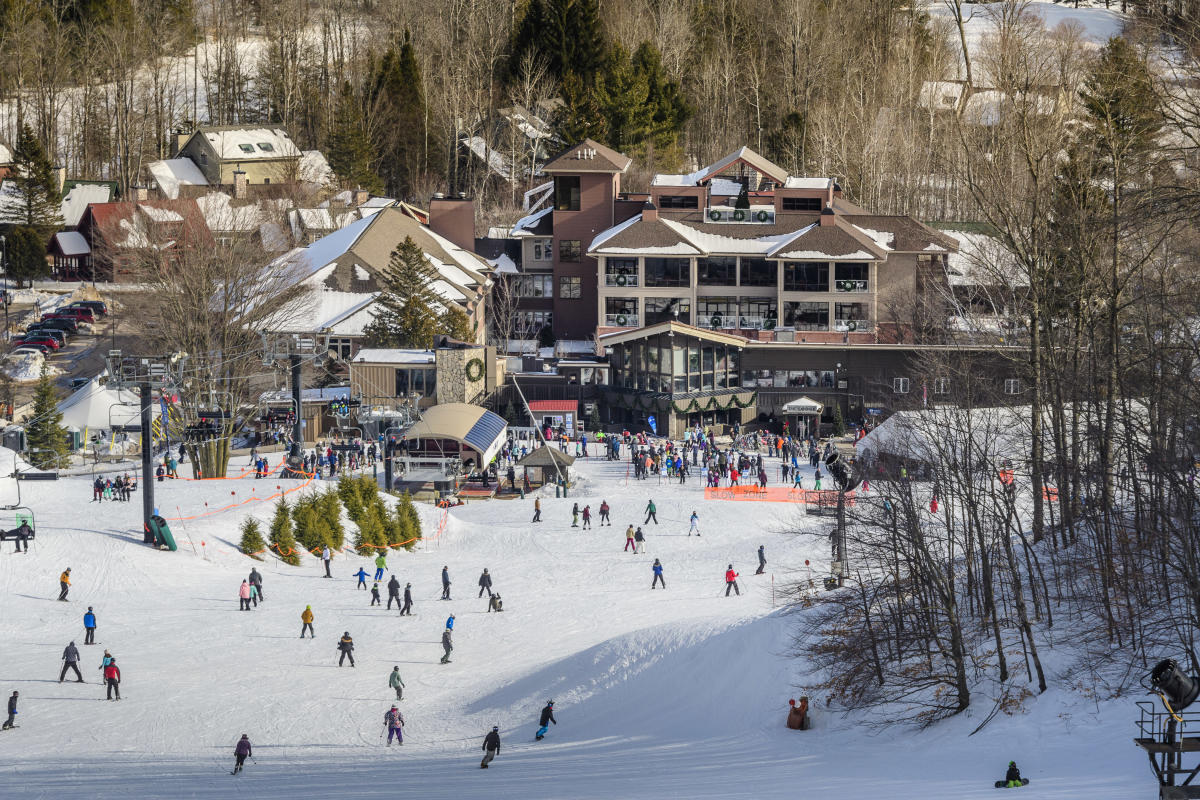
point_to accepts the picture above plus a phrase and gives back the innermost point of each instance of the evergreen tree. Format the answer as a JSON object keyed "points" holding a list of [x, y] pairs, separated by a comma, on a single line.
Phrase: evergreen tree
{"points": [[401, 527], [410, 310], [455, 323], [349, 150], [329, 511], [35, 201], [582, 116], [307, 524], [566, 34], [1123, 112], [839, 422], [669, 110], [594, 418], [412, 521], [283, 540], [252, 541], [372, 531], [26, 250], [397, 92], [43, 429]]}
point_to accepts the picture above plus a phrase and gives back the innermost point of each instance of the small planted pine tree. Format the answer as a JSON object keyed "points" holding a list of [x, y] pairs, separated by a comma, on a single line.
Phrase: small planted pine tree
{"points": [[283, 539], [252, 541], [412, 521], [329, 513], [839, 422], [307, 525], [349, 489], [44, 433]]}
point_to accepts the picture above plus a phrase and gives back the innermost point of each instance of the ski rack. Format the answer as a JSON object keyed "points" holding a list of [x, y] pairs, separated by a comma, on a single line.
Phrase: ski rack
{"points": [[1163, 735]]}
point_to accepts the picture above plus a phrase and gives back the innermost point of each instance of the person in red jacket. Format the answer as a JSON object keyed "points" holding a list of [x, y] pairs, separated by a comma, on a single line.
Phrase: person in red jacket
{"points": [[731, 581], [112, 677]]}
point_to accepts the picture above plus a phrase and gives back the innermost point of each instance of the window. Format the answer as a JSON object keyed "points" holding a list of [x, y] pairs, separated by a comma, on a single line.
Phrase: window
{"points": [[662, 309], [568, 250], [204, 159], [806, 316], [266, 147], [941, 386], [265, 180], [758, 272], [850, 316], [620, 272], [529, 323], [569, 288], [716, 271], [806, 276], [717, 312], [668, 272], [566, 193], [340, 348], [620, 311], [542, 250], [246, 148], [678, 201], [756, 311], [801, 204], [533, 285], [851, 277], [900, 385], [1012, 385], [416, 381]]}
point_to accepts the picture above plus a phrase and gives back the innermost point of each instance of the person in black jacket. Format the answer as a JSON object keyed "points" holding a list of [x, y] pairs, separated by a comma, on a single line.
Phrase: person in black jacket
{"points": [[407, 600], [545, 720], [447, 645], [70, 659], [485, 583], [445, 583], [375, 593], [256, 582], [346, 646], [491, 746], [393, 592], [12, 712], [762, 559]]}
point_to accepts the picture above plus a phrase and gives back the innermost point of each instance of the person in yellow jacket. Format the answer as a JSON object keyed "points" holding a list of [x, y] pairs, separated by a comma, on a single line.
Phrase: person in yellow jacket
{"points": [[64, 583], [307, 617]]}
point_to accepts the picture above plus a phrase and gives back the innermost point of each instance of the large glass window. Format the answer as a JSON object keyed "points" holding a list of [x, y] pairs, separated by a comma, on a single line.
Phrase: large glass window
{"points": [[569, 288], [851, 277], [668, 272], [758, 312], [806, 316], [620, 311], [716, 312], [850, 312], [801, 204], [758, 272], [678, 201], [533, 285], [662, 309], [620, 272], [566, 193], [806, 276], [569, 250], [717, 271]]}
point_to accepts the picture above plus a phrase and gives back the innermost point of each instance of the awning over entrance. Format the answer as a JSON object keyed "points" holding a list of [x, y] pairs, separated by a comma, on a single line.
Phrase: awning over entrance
{"points": [[803, 406]]}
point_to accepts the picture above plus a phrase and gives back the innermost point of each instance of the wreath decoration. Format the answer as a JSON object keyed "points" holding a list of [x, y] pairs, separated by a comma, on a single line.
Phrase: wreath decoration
{"points": [[474, 370], [715, 216], [739, 215], [761, 216]]}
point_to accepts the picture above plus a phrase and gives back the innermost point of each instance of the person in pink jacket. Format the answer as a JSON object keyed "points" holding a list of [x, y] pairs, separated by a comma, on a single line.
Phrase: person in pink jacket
{"points": [[244, 594]]}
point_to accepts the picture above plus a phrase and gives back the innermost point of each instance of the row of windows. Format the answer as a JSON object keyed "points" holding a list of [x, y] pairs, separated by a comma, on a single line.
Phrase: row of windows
{"points": [[742, 312], [798, 276], [941, 386], [543, 286]]}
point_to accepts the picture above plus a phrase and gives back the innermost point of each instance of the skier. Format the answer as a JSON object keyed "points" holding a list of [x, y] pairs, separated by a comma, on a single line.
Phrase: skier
{"points": [[104, 662], [495, 603], [762, 559], [485, 583], [396, 683], [393, 593], [306, 616], [587, 517], [326, 556], [64, 583], [407, 600], [254, 595], [393, 720], [629, 542], [651, 513], [731, 581], [491, 746], [89, 626], [537, 509], [575, 516], [447, 645], [640, 540], [241, 753], [445, 583], [450, 623], [21, 532], [12, 712], [817, 480], [695, 524], [375, 594], [112, 677], [70, 659], [604, 520], [380, 566], [545, 720], [244, 594], [256, 582], [346, 647], [362, 578], [658, 575]]}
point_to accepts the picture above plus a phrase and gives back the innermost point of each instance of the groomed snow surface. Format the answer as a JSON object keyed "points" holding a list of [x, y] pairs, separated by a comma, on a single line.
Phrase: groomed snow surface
{"points": [[658, 694]]}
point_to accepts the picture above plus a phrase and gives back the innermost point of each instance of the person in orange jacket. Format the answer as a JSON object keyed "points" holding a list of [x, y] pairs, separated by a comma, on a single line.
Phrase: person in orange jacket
{"points": [[64, 583], [112, 677], [731, 581], [306, 617]]}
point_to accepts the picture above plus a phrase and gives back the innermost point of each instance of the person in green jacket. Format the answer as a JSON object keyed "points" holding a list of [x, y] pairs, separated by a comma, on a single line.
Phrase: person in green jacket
{"points": [[397, 684], [380, 566]]}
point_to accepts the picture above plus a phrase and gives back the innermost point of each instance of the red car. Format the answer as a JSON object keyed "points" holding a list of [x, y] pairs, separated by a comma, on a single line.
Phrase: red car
{"points": [[77, 314], [48, 341]]}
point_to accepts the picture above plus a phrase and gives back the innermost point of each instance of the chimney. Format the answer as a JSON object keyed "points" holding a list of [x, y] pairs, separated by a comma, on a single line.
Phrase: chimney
{"points": [[827, 217], [140, 192], [60, 178], [649, 212], [453, 218], [180, 140], [837, 191], [241, 186], [361, 196]]}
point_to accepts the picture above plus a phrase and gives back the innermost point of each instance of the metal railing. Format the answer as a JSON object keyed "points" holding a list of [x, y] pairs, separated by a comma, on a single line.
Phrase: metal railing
{"points": [[621, 320], [736, 321], [619, 279], [853, 287]]}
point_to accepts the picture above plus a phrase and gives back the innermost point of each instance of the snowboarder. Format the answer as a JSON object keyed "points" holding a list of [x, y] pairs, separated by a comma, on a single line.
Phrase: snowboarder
{"points": [[1012, 778], [495, 603], [629, 541], [396, 683], [70, 659], [346, 647], [306, 616], [380, 566], [445, 583], [112, 678], [393, 593], [651, 513], [537, 509], [89, 626], [731, 581], [491, 746], [485, 583], [658, 575], [694, 526], [244, 595], [241, 753], [407, 600], [362, 578], [256, 582], [450, 623], [762, 560], [12, 712], [447, 645], [393, 720], [64, 583], [575, 516], [545, 720], [604, 520], [375, 594], [587, 517], [326, 556]]}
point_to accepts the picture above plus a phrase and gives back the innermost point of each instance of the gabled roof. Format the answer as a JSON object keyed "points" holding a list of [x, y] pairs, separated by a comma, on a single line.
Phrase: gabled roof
{"points": [[644, 237], [540, 223], [835, 242], [588, 156], [70, 243], [742, 154], [670, 326], [247, 142], [172, 173]]}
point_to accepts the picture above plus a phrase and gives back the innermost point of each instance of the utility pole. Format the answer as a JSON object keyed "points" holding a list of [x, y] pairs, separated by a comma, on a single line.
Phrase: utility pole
{"points": [[294, 467], [295, 349]]}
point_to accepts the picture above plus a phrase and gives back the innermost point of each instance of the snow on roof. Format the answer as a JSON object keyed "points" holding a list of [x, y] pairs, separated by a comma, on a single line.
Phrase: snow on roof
{"points": [[503, 264], [246, 144], [172, 173], [795, 182], [716, 243], [77, 200], [316, 218], [379, 202], [537, 195], [327, 309], [604, 236], [157, 214], [495, 160], [307, 395], [221, 215], [982, 260], [315, 169], [816, 255], [885, 239], [724, 186], [323, 251], [941, 95], [393, 355], [525, 225], [72, 243]]}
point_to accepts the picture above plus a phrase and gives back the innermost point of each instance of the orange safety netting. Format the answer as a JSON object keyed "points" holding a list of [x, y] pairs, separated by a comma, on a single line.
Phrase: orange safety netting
{"points": [[256, 499], [777, 494]]}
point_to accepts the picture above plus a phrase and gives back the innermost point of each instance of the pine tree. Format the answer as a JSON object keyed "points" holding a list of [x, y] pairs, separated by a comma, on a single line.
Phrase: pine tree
{"points": [[455, 323], [252, 541], [409, 308], [349, 150], [307, 524], [44, 433], [26, 250], [407, 514], [594, 418], [566, 34], [283, 540], [349, 490], [372, 531], [329, 511], [839, 422], [582, 116], [35, 202], [397, 92]]}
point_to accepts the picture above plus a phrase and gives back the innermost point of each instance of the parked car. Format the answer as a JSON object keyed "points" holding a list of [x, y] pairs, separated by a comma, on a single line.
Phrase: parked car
{"points": [[56, 334], [33, 338], [24, 348], [98, 307], [77, 314], [68, 325]]}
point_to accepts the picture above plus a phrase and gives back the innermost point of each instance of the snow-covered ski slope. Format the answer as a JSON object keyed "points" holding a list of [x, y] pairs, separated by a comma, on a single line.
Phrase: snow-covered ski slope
{"points": [[677, 693]]}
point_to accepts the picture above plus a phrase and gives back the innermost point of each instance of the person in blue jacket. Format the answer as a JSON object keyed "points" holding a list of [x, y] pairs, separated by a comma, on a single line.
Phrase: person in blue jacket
{"points": [[658, 575], [450, 623], [89, 625], [362, 578]]}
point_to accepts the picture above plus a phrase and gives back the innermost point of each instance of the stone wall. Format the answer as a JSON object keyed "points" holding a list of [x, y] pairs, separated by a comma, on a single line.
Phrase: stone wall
{"points": [[453, 385]]}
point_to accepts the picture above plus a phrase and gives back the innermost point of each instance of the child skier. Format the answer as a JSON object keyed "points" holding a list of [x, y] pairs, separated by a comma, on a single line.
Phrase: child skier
{"points": [[362, 578], [695, 524], [394, 722]]}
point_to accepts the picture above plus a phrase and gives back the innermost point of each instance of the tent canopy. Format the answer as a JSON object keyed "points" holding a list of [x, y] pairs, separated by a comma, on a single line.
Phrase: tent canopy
{"points": [[546, 456], [470, 426], [90, 407], [804, 406]]}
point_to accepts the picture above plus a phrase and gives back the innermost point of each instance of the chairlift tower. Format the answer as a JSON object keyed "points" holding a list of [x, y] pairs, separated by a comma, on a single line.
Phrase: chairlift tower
{"points": [[294, 349]]}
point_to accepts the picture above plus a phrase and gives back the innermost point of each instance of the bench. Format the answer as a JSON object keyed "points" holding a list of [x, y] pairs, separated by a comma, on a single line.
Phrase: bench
{"points": [[12, 535], [37, 476]]}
